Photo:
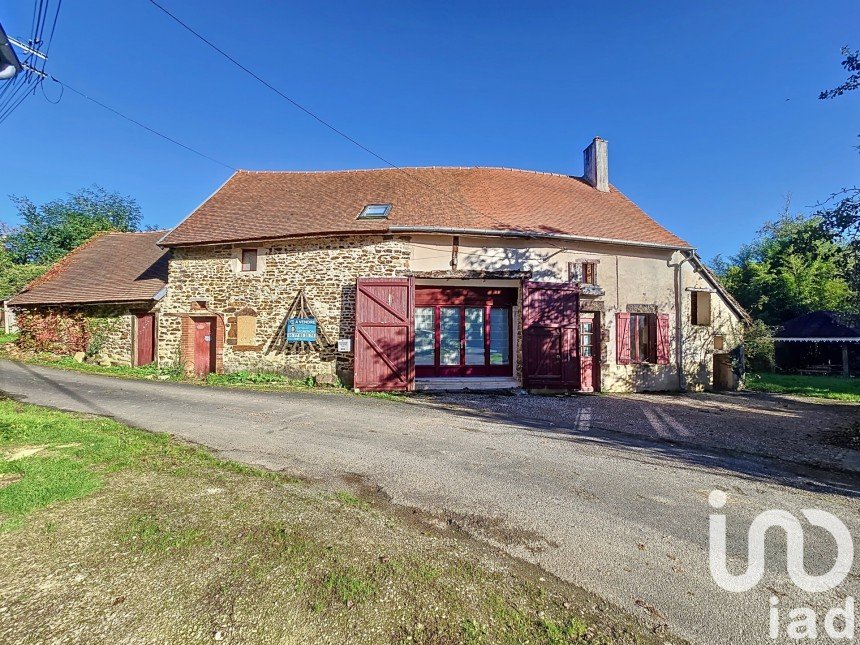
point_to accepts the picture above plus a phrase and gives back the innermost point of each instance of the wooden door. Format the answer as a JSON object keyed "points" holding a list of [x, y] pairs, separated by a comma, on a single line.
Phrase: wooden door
{"points": [[204, 346], [383, 334], [722, 372], [551, 336], [145, 339], [589, 351]]}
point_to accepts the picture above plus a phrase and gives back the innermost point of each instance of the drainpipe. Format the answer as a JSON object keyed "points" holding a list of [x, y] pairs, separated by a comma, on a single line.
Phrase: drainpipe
{"points": [[679, 321]]}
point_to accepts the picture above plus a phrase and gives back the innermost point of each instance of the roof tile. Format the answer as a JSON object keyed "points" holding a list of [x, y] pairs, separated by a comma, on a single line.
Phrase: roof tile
{"points": [[270, 205], [110, 267]]}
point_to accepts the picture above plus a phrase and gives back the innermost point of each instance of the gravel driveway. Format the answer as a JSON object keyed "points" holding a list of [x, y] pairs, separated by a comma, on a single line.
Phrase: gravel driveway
{"points": [[622, 515], [796, 429]]}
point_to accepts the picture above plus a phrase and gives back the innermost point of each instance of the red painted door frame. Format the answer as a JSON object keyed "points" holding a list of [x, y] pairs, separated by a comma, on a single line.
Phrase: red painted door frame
{"points": [[590, 365], [462, 298], [551, 336], [205, 329], [144, 339]]}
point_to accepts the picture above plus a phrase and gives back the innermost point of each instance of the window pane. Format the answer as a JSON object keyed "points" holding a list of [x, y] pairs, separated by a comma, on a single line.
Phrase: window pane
{"points": [[425, 333], [643, 344], [587, 340], [249, 259], [449, 336], [475, 336], [588, 273], [500, 336]]}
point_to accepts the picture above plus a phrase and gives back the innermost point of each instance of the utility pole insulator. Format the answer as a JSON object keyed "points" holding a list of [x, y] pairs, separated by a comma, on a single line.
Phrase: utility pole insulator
{"points": [[10, 66]]}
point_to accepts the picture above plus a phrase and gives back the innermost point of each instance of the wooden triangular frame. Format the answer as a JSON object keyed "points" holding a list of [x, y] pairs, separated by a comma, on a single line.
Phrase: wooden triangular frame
{"points": [[299, 308]]}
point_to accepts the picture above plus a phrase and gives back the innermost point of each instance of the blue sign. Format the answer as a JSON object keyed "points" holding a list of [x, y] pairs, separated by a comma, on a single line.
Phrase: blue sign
{"points": [[301, 330]]}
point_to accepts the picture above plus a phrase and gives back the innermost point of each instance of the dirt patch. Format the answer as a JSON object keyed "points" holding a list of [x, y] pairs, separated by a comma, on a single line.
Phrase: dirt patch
{"points": [[22, 453], [497, 530], [183, 552], [9, 478]]}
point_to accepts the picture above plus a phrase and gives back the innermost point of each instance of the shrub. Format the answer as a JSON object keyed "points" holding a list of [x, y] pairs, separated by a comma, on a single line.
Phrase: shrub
{"points": [[759, 347], [62, 332]]}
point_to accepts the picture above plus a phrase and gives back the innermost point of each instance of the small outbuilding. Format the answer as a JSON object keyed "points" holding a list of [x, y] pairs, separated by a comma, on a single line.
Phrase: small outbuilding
{"points": [[101, 299], [820, 342]]}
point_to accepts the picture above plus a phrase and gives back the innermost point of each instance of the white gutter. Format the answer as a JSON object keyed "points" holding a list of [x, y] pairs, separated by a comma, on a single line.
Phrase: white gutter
{"points": [[532, 235]]}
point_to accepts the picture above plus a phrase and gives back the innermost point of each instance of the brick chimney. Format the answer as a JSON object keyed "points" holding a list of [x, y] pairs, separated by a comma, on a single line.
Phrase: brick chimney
{"points": [[595, 159]]}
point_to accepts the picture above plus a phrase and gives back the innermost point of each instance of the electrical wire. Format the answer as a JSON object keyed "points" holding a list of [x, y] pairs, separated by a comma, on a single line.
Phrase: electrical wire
{"points": [[138, 123], [27, 81], [344, 135], [51, 34]]}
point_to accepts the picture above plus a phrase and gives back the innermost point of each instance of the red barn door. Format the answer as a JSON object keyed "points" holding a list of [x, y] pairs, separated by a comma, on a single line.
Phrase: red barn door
{"points": [[383, 334], [550, 336], [145, 339]]}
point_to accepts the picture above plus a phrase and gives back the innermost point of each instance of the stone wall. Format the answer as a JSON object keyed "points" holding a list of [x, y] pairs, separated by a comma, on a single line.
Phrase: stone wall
{"points": [[99, 330], [115, 327], [208, 281]]}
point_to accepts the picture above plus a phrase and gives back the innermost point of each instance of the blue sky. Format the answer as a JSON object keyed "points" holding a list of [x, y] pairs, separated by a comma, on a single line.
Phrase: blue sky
{"points": [[710, 109]]}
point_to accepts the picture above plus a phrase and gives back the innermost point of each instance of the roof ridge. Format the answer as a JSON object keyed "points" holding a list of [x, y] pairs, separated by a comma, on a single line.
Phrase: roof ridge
{"points": [[401, 168], [160, 230]]}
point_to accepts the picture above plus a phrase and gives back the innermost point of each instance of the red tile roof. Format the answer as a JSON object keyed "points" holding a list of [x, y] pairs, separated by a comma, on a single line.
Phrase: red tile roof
{"points": [[272, 205], [110, 267]]}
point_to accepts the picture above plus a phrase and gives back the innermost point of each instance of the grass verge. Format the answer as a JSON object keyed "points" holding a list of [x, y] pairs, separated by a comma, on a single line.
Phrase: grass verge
{"points": [[111, 533], [822, 387], [242, 379]]}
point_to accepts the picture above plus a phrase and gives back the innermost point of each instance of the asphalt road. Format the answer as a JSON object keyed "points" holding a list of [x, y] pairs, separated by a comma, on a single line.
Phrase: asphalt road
{"points": [[620, 515]]}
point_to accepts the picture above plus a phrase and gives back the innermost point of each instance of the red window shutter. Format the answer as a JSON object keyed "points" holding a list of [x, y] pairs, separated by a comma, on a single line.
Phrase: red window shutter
{"points": [[622, 338], [662, 339]]}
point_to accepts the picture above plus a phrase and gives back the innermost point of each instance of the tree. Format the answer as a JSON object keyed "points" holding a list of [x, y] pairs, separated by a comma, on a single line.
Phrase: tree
{"points": [[13, 276], [51, 230], [840, 214], [788, 270]]}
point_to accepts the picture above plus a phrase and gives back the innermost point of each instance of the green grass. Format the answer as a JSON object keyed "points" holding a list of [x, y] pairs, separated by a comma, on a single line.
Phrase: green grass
{"points": [[347, 499], [823, 387], [183, 544], [69, 363], [241, 379], [8, 338], [72, 456]]}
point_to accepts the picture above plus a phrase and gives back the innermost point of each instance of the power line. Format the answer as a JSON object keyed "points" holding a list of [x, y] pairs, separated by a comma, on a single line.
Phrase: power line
{"points": [[31, 76], [329, 125], [138, 123], [344, 135], [295, 103], [51, 34]]}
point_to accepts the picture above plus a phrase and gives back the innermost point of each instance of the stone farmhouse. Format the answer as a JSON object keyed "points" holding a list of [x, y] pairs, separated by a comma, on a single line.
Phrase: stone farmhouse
{"points": [[416, 278]]}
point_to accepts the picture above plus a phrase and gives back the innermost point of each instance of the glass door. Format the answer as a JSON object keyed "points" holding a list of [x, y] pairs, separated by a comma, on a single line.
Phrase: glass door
{"points": [[463, 341], [450, 335]]}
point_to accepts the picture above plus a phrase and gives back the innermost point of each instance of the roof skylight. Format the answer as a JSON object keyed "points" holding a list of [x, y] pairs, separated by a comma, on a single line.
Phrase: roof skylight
{"points": [[374, 211]]}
